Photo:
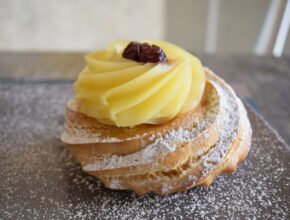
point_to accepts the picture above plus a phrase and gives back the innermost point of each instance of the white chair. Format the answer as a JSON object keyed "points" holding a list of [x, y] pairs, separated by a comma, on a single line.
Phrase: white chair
{"points": [[273, 34]]}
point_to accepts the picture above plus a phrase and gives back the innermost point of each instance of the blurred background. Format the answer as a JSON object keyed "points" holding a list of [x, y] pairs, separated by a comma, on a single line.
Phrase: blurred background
{"points": [[204, 26]]}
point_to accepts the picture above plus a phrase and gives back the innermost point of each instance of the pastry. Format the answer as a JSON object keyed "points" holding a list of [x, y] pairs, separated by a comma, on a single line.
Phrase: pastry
{"points": [[149, 117]]}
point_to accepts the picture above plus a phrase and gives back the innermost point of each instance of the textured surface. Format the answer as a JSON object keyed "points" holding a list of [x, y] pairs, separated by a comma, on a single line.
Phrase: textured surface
{"points": [[40, 180]]}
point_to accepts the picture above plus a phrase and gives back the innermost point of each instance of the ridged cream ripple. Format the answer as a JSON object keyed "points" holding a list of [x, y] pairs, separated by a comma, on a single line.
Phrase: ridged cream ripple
{"points": [[125, 93]]}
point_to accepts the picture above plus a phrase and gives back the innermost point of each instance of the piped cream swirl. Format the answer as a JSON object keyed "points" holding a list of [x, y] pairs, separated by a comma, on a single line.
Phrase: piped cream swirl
{"points": [[125, 93]]}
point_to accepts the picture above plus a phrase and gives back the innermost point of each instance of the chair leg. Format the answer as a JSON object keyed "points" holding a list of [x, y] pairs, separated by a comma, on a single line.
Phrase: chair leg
{"points": [[212, 26], [283, 32], [266, 39]]}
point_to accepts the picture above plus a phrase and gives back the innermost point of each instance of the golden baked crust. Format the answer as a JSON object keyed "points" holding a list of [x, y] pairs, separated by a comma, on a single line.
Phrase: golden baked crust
{"points": [[88, 139], [135, 158]]}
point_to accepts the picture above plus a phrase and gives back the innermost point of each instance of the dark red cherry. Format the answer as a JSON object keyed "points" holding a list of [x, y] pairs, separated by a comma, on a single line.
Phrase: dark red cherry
{"points": [[144, 53]]}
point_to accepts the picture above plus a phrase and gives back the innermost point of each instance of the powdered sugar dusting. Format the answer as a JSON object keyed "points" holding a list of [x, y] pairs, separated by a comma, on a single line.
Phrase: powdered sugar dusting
{"points": [[84, 135], [161, 146], [40, 180], [151, 152], [229, 124]]}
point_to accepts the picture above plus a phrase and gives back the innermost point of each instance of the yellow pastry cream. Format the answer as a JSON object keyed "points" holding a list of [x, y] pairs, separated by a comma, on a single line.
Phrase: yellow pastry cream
{"points": [[124, 92]]}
